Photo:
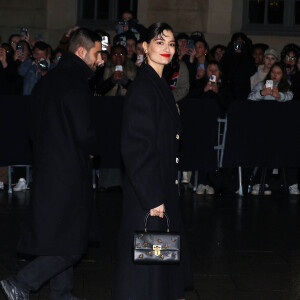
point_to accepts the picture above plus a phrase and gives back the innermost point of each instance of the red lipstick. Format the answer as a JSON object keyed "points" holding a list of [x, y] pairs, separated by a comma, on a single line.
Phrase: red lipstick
{"points": [[165, 55]]}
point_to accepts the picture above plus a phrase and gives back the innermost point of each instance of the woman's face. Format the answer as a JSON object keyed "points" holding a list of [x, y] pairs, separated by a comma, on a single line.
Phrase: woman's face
{"points": [[219, 54], [290, 58], [118, 56], [200, 49], [213, 69], [276, 74], [161, 49]]}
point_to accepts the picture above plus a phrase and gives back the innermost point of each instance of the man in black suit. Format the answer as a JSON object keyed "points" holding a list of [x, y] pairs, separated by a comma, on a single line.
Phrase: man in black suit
{"points": [[64, 139]]}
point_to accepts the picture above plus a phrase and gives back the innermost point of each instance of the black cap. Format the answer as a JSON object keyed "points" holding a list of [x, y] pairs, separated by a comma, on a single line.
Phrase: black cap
{"points": [[182, 36]]}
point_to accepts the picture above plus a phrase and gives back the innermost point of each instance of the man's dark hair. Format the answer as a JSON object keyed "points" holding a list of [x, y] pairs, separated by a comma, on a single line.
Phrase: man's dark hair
{"points": [[261, 46], [83, 37], [115, 47], [41, 46]]}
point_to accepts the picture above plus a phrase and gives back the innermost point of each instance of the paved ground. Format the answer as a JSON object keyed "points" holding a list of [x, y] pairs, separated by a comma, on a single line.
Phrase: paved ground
{"points": [[241, 248]]}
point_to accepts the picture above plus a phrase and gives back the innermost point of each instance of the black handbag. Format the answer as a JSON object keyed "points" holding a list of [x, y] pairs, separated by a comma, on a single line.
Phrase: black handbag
{"points": [[156, 247]]}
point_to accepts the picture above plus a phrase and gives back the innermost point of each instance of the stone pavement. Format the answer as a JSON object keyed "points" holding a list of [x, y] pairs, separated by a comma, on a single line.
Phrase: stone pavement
{"points": [[241, 248]]}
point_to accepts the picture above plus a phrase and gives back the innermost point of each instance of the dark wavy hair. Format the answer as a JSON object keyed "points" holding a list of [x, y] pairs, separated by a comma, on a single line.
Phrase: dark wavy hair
{"points": [[283, 85], [288, 48], [157, 30]]}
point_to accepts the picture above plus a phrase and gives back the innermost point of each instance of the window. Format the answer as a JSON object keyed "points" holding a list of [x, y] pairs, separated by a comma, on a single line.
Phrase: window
{"points": [[103, 13], [272, 17]]}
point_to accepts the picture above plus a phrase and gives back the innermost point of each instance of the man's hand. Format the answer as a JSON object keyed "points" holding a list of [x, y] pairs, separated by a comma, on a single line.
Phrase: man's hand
{"points": [[158, 211]]}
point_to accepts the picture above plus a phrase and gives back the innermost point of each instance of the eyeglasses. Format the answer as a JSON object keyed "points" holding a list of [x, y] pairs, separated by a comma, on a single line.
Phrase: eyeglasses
{"points": [[287, 57], [118, 54]]}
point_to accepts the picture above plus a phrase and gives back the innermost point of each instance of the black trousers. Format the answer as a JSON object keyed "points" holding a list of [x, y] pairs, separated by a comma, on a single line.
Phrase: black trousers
{"points": [[57, 269]]}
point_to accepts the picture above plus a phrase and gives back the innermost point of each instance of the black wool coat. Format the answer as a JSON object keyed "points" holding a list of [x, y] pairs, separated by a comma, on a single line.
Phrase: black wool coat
{"points": [[149, 146], [60, 213]]}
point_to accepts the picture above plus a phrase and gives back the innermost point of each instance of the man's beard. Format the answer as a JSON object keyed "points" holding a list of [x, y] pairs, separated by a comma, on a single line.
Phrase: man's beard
{"points": [[91, 65]]}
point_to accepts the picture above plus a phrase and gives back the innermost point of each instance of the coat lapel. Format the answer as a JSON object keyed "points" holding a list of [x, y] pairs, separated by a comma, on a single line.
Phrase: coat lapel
{"points": [[165, 93]]}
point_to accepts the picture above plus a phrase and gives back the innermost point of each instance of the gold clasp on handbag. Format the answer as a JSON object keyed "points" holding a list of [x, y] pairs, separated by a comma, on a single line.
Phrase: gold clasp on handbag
{"points": [[157, 249]]}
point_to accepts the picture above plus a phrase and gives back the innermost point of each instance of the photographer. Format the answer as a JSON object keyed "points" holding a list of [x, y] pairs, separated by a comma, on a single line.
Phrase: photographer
{"points": [[129, 25], [238, 65], [32, 71], [118, 73]]}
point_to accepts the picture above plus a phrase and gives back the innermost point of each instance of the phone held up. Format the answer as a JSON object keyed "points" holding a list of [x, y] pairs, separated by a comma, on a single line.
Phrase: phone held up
{"points": [[213, 78], [269, 84], [104, 43], [119, 68], [20, 47], [23, 33], [190, 44]]}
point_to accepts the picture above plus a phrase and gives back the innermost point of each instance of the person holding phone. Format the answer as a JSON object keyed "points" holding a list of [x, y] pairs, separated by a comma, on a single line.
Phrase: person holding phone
{"points": [[118, 73], [289, 56], [149, 145], [276, 86]]}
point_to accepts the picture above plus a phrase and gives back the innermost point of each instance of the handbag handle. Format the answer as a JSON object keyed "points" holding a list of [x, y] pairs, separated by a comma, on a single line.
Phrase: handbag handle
{"points": [[165, 215]]}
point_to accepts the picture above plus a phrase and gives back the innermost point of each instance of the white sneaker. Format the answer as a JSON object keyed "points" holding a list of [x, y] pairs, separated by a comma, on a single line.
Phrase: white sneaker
{"points": [[20, 186], [209, 190], [294, 190], [255, 190], [200, 189]]}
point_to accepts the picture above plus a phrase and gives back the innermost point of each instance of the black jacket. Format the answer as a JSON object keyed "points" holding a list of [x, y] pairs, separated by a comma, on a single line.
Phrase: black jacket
{"points": [[63, 138]]}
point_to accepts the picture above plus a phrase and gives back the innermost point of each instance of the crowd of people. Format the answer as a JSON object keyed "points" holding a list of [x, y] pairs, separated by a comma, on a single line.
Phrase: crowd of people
{"points": [[241, 70]]}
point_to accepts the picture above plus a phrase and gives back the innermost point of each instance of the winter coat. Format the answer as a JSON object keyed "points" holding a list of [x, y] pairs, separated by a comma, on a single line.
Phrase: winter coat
{"points": [[61, 209], [150, 139]]}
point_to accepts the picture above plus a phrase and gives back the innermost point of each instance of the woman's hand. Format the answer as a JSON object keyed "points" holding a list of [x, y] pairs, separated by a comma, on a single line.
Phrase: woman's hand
{"points": [[158, 211], [192, 56], [200, 73], [118, 75], [266, 91], [211, 86], [3, 57], [275, 92]]}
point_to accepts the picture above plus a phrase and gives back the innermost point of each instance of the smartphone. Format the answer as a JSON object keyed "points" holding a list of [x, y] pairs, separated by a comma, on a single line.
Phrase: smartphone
{"points": [[104, 43], [23, 32], [20, 47], [119, 68], [269, 84], [140, 58], [213, 78], [190, 44], [237, 46], [123, 41]]}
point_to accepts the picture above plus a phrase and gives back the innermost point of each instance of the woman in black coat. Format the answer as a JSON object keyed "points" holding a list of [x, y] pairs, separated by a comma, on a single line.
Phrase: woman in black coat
{"points": [[150, 138]]}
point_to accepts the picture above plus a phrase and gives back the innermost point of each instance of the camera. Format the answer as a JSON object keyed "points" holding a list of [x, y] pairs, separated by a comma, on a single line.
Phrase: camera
{"points": [[104, 43], [119, 68], [213, 78], [269, 84], [43, 65], [123, 41], [20, 47], [237, 46], [123, 23], [190, 44], [23, 32]]}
